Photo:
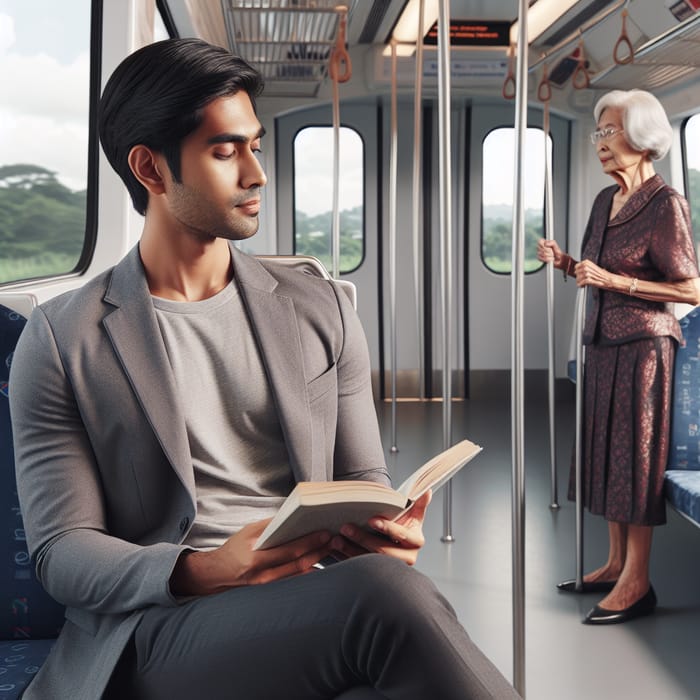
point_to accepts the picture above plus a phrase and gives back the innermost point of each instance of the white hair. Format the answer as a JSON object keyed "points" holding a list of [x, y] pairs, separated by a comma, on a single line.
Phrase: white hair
{"points": [[643, 118]]}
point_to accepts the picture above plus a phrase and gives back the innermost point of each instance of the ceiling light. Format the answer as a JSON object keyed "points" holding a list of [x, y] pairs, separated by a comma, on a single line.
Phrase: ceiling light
{"points": [[540, 16], [406, 32]]}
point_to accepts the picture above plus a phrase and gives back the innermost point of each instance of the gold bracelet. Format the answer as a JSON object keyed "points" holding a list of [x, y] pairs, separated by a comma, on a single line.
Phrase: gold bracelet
{"points": [[633, 287]]}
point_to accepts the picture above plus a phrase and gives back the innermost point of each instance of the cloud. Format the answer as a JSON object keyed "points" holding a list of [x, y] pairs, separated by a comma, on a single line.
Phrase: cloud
{"points": [[314, 170], [41, 140], [40, 85], [44, 110], [7, 33]]}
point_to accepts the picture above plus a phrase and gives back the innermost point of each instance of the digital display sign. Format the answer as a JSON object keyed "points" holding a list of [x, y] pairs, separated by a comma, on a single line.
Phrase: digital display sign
{"points": [[464, 32]]}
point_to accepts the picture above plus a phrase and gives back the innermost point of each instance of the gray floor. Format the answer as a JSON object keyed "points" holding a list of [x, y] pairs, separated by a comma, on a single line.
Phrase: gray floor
{"points": [[650, 658]]}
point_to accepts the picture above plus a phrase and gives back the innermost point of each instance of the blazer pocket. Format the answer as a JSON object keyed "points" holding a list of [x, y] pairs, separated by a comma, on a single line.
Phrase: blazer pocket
{"points": [[322, 384]]}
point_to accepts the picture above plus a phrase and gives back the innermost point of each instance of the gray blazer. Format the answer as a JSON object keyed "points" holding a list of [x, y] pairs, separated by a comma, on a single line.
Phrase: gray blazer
{"points": [[104, 472]]}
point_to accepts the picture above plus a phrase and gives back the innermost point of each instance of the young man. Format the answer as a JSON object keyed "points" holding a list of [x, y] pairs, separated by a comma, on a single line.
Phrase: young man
{"points": [[162, 413]]}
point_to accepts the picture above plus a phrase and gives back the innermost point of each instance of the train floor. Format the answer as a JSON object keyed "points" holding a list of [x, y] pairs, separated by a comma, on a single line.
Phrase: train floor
{"points": [[648, 658]]}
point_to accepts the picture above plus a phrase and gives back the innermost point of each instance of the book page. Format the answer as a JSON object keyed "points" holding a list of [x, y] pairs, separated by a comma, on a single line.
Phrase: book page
{"points": [[326, 505], [434, 473]]}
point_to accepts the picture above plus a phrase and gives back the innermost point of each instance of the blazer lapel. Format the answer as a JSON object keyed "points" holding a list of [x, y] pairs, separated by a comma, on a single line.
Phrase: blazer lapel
{"points": [[133, 330], [274, 324]]}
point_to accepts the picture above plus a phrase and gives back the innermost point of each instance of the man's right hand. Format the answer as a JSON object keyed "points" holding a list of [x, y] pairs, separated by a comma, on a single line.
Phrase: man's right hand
{"points": [[235, 563]]}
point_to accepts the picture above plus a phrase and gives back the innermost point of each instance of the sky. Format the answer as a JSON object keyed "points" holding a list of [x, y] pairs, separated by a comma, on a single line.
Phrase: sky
{"points": [[44, 74], [313, 164]]}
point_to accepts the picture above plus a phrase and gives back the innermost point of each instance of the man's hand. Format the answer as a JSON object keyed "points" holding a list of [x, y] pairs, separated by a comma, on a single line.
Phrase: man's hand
{"points": [[235, 563], [402, 538]]}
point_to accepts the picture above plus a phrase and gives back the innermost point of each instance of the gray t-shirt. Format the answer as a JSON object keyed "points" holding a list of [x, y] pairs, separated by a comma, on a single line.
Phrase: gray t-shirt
{"points": [[241, 463]]}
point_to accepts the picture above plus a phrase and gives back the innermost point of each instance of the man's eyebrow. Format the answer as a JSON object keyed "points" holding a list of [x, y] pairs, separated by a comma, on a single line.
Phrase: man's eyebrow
{"points": [[235, 138]]}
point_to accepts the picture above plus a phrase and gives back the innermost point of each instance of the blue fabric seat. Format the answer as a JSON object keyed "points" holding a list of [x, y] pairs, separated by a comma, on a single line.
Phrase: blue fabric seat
{"points": [[19, 661], [30, 619], [682, 482]]}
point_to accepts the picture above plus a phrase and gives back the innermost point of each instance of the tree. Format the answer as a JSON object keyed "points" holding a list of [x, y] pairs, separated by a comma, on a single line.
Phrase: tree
{"points": [[42, 223]]}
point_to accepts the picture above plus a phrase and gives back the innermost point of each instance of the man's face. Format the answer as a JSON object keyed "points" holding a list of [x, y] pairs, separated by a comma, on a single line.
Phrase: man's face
{"points": [[219, 192]]}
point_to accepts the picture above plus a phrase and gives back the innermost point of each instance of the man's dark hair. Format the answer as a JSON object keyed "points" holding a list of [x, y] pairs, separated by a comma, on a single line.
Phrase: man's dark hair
{"points": [[156, 96]]}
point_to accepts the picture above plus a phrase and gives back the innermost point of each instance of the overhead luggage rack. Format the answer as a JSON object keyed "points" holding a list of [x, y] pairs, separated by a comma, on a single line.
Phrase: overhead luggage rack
{"points": [[661, 62], [288, 41]]}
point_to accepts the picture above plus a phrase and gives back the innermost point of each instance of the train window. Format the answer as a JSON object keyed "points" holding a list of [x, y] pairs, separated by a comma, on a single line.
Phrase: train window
{"points": [[45, 64], [497, 198], [313, 195], [160, 31], [691, 142]]}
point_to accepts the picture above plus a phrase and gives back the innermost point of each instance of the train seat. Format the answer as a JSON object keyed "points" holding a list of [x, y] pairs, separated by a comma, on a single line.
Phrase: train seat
{"points": [[30, 619], [682, 482], [310, 265]]}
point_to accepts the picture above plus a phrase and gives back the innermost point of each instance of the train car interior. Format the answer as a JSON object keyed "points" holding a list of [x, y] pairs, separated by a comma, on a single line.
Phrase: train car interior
{"points": [[416, 152]]}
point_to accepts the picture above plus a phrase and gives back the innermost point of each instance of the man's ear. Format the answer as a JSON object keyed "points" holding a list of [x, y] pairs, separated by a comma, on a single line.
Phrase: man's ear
{"points": [[147, 167]]}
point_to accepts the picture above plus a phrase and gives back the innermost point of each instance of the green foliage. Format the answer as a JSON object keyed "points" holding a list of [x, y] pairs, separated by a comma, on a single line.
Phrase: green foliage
{"points": [[497, 242], [313, 237], [42, 223]]}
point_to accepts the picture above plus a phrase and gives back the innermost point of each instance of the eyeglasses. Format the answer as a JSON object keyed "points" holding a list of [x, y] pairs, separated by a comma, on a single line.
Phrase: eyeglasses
{"points": [[604, 134]]}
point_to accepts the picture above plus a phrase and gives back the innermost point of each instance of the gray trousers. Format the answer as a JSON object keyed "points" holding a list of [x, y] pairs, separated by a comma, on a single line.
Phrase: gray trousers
{"points": [[370, 627]]}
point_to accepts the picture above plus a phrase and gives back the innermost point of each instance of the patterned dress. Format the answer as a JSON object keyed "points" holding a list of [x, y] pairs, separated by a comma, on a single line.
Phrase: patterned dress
{"points": [[630, 350]]}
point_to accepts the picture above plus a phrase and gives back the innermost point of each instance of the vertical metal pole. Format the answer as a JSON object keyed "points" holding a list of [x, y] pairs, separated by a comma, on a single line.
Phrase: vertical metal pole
{"points": [[517, 373], [418, 199], [393, 167], [549, 271], [338, 57], [335, 227], [580, 361], [445, 188]]}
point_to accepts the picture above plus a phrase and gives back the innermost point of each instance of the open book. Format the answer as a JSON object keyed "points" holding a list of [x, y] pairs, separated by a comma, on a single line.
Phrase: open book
{"points": [[327, 505]]}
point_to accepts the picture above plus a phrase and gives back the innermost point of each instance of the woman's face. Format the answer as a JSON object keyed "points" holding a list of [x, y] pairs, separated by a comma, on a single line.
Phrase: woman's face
{"points": [[615, 154]]}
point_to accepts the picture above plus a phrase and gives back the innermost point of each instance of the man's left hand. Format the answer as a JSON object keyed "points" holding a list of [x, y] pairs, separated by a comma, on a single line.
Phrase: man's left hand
{"points": [[402, 538]]}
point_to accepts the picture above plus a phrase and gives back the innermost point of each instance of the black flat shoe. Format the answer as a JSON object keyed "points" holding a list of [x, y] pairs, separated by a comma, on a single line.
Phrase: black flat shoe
{"points": [[588, 586], [644, 606]]}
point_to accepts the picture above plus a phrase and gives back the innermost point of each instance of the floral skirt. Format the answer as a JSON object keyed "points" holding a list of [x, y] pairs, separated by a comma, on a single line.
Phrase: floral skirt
{"points": [[627, 422]]}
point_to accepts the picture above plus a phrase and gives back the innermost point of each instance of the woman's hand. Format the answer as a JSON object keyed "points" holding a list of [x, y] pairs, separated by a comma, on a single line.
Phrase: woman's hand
{"points": [[402, 538], [548, 251], [590, 274]]}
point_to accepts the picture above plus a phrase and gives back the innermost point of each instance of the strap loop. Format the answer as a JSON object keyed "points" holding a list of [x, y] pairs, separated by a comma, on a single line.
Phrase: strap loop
{"points": [[580, 78], [508, 91], [623, 40]]}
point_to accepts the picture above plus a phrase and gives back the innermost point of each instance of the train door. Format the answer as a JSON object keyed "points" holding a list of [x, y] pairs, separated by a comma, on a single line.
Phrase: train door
{"points": [[488, 262], [304, 146]]}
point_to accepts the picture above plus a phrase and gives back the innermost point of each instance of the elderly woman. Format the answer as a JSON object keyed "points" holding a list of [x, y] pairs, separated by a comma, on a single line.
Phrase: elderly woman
{"points": [[637, 258]]}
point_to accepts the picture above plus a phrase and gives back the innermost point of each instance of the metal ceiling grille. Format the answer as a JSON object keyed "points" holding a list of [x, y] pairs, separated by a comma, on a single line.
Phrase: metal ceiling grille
{"points": [[288, 41], [574, 22], [661, 62]]}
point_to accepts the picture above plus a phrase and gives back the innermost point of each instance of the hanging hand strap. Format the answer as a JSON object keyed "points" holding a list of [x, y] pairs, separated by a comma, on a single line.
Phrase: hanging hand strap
{"points": [[339, 66], [581, 79], [509, 83], [544, 89], [623, 40]]}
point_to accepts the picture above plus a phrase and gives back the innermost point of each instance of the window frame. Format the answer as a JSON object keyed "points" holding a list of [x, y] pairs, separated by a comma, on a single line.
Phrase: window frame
{"points": [[323, 125], [481, 219], [686, 175], [92, 160]]}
